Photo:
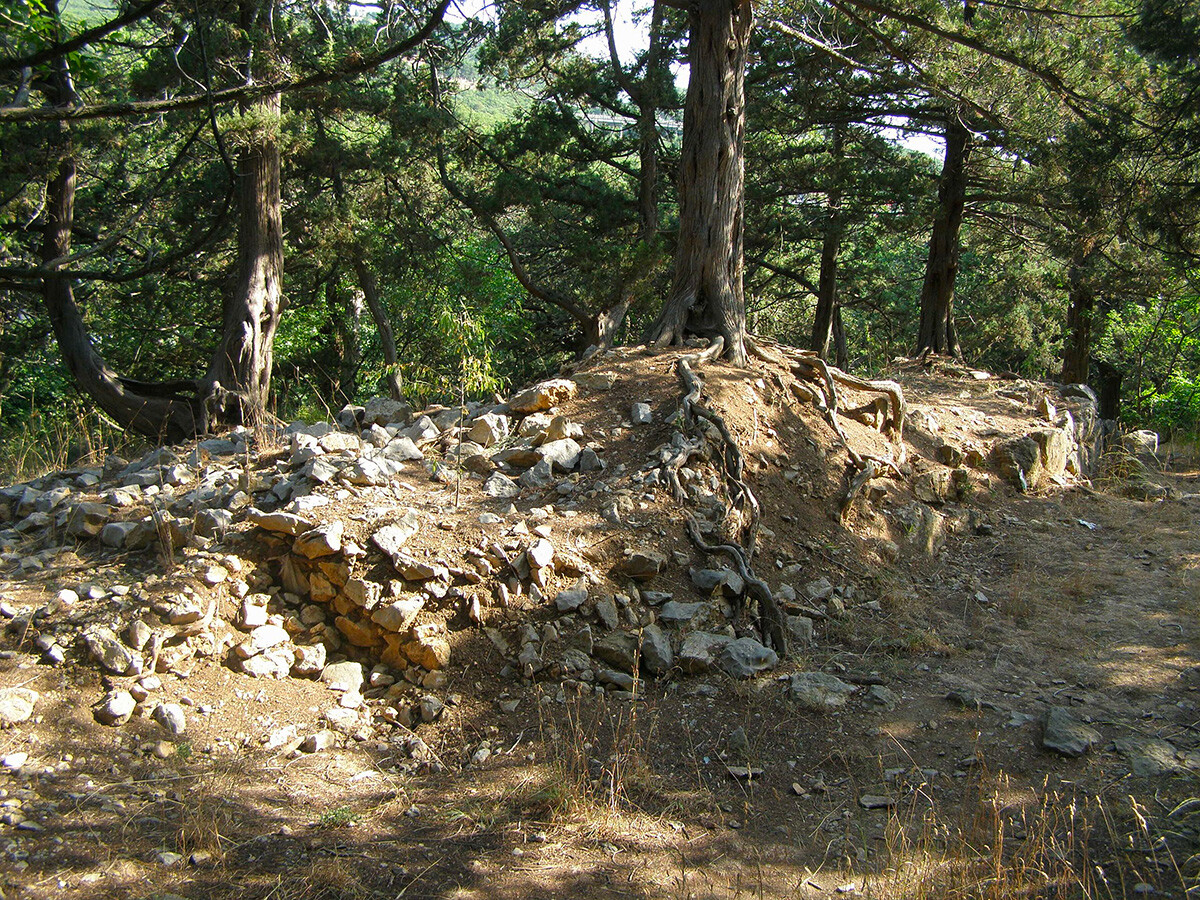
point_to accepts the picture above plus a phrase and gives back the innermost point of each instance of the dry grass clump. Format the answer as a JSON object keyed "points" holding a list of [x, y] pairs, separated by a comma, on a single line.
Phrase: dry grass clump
{"points": [[79, 437], [599, 760], [1011, 845]]}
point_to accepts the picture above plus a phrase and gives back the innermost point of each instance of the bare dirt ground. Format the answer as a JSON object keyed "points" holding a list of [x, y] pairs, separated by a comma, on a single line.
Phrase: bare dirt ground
{"points": [[931, 782]]}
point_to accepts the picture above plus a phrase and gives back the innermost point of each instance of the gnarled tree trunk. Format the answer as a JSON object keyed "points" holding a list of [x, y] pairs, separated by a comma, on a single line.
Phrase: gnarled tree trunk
{"points": [[706, 296], [937, 332], [239, 376], [167, 411]]}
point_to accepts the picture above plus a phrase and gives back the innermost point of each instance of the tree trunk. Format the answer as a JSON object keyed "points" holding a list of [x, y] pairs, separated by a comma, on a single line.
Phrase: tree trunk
{"points": [[1077, 348], [824, 316], [937, 332], [240, 373], [706, 296], [841, 349], [165, 411], [647, 99], [1109, 394], [161, 411], [345, 316], [387, 339], [600, 331]]}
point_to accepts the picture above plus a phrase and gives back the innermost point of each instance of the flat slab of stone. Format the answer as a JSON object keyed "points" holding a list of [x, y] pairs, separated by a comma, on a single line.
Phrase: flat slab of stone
{"points": [[820, 691], [1066, 734]]}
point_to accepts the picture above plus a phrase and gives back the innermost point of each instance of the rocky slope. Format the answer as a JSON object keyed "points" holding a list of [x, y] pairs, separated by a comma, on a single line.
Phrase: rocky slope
{"points": [[372, 584]]}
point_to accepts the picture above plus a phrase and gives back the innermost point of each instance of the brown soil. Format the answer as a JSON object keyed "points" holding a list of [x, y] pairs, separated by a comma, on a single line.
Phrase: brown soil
{"points": [[1074, 597]]}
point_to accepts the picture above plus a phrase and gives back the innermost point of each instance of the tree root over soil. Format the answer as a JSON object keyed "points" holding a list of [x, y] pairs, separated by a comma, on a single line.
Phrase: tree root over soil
{"points": [[742, 499], [806, 364], [819, 386]]}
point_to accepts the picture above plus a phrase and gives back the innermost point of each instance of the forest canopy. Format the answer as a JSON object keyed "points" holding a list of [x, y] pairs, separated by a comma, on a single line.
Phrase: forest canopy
{"points": [[215, 211]]}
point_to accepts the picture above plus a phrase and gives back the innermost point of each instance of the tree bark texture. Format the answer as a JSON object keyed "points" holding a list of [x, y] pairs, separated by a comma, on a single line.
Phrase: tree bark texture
{"points": [[601, 329], [647, 101], [841, 349], [706, 296], [1081, 296], [240, 374], [161, 411], [383, 324], [937, 333], [823, 318]]}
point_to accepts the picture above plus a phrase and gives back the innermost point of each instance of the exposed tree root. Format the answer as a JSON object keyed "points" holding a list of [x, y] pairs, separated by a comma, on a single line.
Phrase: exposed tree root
{"points": [[741, 498], [770, 614], [820, 387], [742, 501], [857, 484]]}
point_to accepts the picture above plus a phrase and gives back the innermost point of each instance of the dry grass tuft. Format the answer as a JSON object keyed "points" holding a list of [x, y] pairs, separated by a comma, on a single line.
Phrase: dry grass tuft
{"points": [[598, 758], [1007, 846]]}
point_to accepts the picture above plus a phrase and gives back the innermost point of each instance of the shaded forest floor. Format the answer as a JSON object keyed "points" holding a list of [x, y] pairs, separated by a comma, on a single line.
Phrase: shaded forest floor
{"points": [[932, 781]]}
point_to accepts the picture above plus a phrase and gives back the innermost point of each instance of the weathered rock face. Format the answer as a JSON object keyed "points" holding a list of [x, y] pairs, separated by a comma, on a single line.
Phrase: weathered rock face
{"points": [[819, 692], [1073, 445], [544, 396]]}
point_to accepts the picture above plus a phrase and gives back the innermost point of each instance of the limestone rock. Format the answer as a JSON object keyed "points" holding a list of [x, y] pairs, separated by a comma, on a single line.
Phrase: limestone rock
{"points": [[115, 534], [87, 519], [363, 593], [273, 663], [108, 650], [642, 564], [16, 706], [309, 660], [278, 522], [819, 691], [590, 461], [562, 455], [700, 651], [675, 613], [392, 538], [619, 649], [745, 658], [402, 449], [640, 414], [538, 475], [543, 396], [344, 676], [428, 649], [315, 743], [657, 656], [357, 633], [260, 640], [594, 381], [385, 411], [171, 718], [340, 442], [398, 615], [324, 540], [570, 599], [800, 630], [489, 429], [116, 708], [541, 554], [501, 487]]}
